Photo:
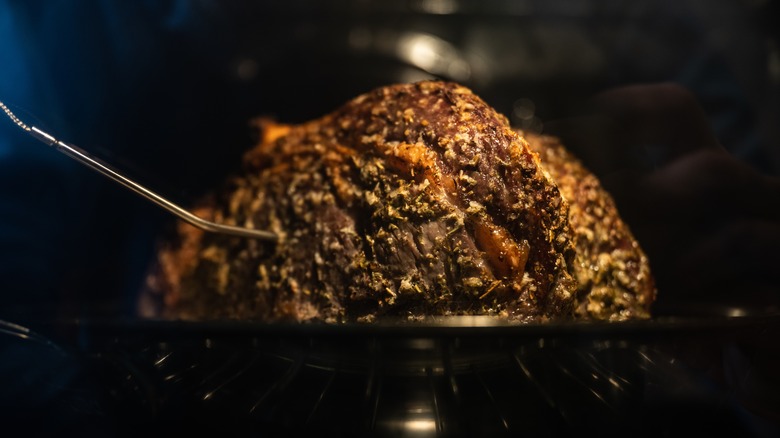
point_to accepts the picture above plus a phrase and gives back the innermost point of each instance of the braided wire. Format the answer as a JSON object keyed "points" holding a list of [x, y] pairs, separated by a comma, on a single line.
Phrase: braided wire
{"points": [[13, 117]]}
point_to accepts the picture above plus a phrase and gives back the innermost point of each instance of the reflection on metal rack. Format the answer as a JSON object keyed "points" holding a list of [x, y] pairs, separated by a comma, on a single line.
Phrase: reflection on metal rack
{"points": [[411, 386]]}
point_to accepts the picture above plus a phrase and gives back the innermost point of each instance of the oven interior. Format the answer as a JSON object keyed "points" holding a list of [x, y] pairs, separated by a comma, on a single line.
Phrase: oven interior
{"points": [[167, 95]]}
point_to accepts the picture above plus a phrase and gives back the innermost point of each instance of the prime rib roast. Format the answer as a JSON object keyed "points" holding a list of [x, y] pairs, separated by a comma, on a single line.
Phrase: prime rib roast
{"points": [[409, 201]]}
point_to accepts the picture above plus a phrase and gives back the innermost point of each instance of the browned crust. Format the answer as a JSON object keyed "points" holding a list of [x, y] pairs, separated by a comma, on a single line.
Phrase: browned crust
{"points": [[612, 270], [410, 200]]}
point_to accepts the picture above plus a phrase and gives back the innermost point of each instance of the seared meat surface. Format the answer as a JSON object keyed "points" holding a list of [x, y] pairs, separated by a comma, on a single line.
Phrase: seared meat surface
{"points": [[410, 200], [612, 271]]}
